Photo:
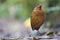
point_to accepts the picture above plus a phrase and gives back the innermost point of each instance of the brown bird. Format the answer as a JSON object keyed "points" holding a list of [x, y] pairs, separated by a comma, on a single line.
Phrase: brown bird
{"points": [[37, 18]]}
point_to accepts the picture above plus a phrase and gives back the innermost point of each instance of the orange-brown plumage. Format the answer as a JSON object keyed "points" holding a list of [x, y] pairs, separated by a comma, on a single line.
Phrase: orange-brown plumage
{"points": [[37, 17]]}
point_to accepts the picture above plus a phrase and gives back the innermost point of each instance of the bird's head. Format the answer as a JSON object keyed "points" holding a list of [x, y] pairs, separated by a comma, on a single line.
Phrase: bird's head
{"points": [[38, 6]]}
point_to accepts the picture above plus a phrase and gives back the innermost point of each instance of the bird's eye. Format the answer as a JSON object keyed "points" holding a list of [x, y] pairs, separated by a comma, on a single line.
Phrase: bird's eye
{"points": [[39, 6]]}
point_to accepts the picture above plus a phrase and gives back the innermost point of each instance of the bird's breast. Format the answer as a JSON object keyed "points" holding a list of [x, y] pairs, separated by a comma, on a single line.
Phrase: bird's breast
{"points": [[37, 20]]}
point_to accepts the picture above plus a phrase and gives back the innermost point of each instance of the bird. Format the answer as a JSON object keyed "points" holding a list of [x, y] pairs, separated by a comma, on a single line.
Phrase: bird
{"points": [[37, 17]]}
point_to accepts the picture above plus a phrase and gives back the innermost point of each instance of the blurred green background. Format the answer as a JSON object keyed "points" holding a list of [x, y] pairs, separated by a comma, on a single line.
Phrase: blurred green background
{"points": [[22, 9]]}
